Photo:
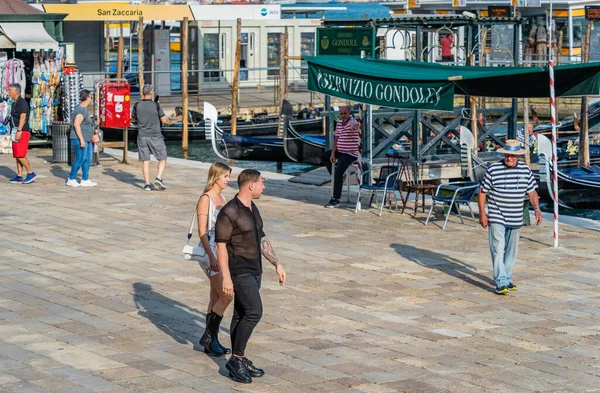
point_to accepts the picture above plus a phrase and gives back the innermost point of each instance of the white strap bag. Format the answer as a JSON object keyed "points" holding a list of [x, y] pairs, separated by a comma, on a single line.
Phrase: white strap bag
{"points": [[198, 253]]}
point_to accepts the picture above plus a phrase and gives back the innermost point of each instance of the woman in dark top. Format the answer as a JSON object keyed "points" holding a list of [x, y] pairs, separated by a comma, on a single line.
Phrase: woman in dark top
{"points": [[82, 130]]}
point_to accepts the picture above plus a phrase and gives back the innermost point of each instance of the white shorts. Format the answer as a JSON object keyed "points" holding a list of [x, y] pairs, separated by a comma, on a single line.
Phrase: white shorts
{"points": [[205, 266]]}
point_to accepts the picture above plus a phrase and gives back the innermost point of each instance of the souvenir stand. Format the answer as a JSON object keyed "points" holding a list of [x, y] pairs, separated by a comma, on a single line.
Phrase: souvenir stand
{"points": [[30, 56], [45, 90], [11, 71]]}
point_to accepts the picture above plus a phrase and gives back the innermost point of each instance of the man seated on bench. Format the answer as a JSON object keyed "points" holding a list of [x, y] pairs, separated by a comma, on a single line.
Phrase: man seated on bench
{"points": [[346, 148]]}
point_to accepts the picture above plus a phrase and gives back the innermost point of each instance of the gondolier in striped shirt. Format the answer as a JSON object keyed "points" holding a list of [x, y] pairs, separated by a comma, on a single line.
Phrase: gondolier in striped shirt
{"points": [[346, 149], [504, 187]]}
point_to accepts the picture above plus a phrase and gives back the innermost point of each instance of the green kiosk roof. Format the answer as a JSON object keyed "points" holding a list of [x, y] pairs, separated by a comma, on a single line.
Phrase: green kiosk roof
{"points": [[411, 85]]}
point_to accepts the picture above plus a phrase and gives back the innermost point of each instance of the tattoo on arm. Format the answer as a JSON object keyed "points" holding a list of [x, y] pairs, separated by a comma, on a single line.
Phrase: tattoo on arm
{"points": [[267, 250]]}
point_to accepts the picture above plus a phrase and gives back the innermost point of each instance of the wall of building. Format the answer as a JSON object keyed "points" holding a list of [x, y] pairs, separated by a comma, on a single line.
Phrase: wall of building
{"points": [[260, 47], [88, 38]]}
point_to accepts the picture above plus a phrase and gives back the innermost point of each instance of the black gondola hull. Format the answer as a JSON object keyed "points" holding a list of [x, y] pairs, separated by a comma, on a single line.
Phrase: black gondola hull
{"points": [[197, 132], [577, 188], [304, 149], [251, 149]]}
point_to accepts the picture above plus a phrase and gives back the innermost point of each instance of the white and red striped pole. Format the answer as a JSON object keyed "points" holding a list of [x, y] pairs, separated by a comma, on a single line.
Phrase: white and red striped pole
{"points": [[553, 120]]}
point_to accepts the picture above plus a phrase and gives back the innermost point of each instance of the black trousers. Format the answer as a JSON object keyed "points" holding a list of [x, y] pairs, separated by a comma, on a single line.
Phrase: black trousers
{"points": [[247, 310], [343, 162]]}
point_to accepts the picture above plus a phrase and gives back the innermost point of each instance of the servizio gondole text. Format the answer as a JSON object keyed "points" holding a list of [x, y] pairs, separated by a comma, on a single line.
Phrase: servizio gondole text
{"points": [[381, 92]]}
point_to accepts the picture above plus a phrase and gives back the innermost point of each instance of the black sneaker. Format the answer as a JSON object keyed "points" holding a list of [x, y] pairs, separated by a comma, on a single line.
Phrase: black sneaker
{"points": [[148, 187], [333, 203], [503, 290], [511, 287]]}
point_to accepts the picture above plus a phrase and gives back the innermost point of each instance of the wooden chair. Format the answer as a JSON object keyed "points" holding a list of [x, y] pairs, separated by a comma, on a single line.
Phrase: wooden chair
{"points": [[410, 184]]}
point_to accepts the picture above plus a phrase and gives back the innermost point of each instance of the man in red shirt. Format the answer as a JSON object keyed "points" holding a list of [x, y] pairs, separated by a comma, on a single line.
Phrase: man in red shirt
{"points": [[446, 44], [346, 148]]}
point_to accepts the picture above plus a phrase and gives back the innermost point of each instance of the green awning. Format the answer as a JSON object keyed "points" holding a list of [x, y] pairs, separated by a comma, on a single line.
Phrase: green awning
{"points": [[410, 85]]}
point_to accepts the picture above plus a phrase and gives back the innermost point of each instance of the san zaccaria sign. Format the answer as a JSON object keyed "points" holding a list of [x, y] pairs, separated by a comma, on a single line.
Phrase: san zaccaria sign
{"points": [[346, 41], [381, 92]]}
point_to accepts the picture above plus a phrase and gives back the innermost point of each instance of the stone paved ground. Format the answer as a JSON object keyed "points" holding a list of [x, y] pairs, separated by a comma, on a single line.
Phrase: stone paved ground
{"points": [[96, 297]]}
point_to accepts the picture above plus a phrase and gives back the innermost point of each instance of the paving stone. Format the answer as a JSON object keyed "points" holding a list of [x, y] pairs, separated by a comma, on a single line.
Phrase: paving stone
{"points": [[94, 296], [54, 384], [7, 378], [23, 387], [147, 383]]}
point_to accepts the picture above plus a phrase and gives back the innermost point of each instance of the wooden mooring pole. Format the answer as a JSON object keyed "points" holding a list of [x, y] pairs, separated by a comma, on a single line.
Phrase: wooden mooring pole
{"points": [[584, 137], [282, 67], [236, 78], [107, 50], [184, 86], [120, 48], [120, 52], [283, 77]]}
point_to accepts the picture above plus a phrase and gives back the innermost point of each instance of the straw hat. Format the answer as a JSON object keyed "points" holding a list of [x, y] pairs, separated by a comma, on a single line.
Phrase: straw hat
{"points": [[512, 146]]}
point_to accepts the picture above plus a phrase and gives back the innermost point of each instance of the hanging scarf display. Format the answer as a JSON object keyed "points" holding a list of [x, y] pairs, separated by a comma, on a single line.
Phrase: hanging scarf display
{"points": [[45, 82], [11, 71]]}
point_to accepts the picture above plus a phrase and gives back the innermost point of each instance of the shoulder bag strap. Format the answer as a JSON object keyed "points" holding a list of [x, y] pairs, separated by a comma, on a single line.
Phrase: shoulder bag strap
{"points": [[158, 114], [210, 207]]}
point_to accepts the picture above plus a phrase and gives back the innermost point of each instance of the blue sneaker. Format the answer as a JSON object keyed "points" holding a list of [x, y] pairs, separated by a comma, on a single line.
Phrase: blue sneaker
{"points": [[16, 180], [158, 183], [30, 178]]}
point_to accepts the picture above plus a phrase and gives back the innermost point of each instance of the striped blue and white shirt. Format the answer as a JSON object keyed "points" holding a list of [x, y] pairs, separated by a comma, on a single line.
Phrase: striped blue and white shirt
{"points": [[506, 188]]}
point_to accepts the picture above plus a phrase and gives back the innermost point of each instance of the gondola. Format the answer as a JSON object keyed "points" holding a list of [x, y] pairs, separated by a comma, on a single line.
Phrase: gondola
{"points": [[197, 131], [568, 123], [302, 148], [577, 187], [235, 147]]}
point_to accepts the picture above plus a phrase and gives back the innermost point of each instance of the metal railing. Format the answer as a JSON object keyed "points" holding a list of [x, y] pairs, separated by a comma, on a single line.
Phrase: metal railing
{"points": [[205, 80]]}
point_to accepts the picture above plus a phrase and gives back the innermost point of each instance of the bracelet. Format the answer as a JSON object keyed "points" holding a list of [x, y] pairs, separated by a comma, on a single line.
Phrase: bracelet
{"points": [[537, 210]]}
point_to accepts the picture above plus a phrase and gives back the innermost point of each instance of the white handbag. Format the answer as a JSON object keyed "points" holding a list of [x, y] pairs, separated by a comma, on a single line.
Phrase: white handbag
{"points": [[13, 134], [197, 253]]}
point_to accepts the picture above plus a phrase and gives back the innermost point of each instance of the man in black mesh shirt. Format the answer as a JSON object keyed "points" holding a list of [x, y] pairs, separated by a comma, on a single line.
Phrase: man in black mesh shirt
{"points": [[240, 242]]}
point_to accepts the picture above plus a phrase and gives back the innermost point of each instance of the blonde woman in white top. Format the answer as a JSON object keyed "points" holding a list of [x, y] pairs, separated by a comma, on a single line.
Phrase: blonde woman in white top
{"points": [[209, 204]]}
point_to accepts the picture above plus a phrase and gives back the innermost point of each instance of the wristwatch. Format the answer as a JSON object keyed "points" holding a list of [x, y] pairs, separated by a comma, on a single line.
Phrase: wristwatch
{"points": [[537, 210]]}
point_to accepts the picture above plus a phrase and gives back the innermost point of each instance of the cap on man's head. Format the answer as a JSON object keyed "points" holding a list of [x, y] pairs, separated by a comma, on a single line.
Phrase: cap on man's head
{"points": [[147, 90]]}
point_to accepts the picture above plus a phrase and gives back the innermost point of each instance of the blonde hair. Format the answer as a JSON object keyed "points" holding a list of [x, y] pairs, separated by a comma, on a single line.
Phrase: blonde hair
{"points": [[215, 171]]}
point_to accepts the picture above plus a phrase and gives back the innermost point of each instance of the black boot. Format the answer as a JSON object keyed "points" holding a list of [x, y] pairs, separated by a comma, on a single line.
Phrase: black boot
{"points": [[237, 370], [224, 349], [211, 346], [208, 340], [254, 371], [212, 324]]}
